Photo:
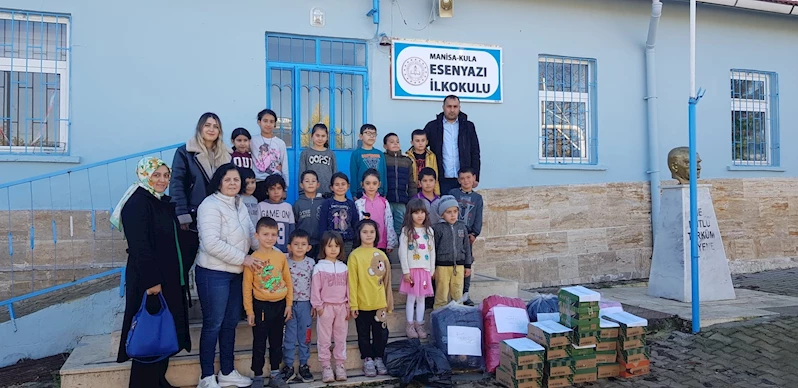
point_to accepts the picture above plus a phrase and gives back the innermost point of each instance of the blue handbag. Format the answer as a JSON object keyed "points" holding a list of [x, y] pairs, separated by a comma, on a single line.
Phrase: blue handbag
{"points": [[152, 335]]}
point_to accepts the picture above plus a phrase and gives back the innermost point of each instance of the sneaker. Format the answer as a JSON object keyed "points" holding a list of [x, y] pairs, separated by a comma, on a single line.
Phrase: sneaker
{"points": [[340, 373], [468, 302], [257, 382], [208, 382], [381, 369], [234, 378], [420, 330], [369, 368], [327, 375], [287, 373], [277, 381], [410, 330], [304, 374]]}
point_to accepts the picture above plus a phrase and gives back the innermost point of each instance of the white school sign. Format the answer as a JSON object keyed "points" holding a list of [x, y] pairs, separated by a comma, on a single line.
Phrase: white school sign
{"points": [[432, 71]]}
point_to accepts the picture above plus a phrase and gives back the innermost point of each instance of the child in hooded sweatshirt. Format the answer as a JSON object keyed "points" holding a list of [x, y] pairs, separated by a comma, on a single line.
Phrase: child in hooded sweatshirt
{"points": [[330, 300], [452, 253]]}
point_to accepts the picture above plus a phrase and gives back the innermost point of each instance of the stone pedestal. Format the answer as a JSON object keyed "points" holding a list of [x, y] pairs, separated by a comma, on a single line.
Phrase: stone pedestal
{"points": [[670, 266]]}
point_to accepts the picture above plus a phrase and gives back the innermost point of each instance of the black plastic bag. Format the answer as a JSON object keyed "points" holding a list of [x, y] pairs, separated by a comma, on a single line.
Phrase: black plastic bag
{"points": [[410, 360], [454, 314], [544, 303]]}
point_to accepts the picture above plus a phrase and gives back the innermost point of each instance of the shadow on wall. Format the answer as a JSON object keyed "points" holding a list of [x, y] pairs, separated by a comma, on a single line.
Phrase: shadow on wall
{"points": [[57, 329]]}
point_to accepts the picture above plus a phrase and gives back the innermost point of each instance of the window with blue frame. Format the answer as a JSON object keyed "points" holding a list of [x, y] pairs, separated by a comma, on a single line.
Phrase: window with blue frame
{"points": [[567, 110], [34, 82], [317, 80], [754, 118]]}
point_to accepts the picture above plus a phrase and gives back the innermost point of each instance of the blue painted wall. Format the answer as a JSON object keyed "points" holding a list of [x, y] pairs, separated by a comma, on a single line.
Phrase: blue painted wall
{"points": [[142, 72]]}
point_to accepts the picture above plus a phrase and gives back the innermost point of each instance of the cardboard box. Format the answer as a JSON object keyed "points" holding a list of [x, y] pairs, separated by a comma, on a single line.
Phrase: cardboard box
{"points": [[581, 311], [633, 355], [581, 351], [608, 329], [523, 351], [557, 353], [556, 382], [607, 344], [549, 334], [626, 343], [633, 365], [592, 324], [584, 338], [504, 378], [557, 368], [637, 372], [606, 357], [577, 295], [608, 370], [524, 372], [584, 376], [630, 325], [585, 362]]}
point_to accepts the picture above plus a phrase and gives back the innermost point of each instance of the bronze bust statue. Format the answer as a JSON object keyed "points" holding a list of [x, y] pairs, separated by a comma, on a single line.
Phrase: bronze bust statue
{"points": [[679, 164]]}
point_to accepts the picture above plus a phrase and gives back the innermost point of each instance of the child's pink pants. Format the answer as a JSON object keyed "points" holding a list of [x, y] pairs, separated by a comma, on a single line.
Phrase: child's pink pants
{"points": [[332, 326]]}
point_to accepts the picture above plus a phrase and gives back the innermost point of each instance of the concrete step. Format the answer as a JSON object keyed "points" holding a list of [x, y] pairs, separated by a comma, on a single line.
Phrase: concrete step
{"points": [[93, 362], [397, 323], [91, 365]]}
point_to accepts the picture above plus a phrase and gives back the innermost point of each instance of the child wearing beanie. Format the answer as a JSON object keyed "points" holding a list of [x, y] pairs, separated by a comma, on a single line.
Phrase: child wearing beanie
{"points": [[452, 253]]}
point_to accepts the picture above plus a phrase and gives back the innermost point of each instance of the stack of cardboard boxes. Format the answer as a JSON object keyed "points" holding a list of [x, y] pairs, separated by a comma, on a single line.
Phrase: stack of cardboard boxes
{"points": [[579, 311], [632, 352], [555, 339], [606, 356], [521, 363]]}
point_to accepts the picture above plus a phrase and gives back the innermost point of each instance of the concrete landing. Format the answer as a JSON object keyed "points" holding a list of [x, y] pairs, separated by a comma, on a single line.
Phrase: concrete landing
{"points": [[749, 304]]}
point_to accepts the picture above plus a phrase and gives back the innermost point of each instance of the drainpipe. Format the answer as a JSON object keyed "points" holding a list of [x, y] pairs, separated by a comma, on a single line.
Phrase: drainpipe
{"points": [[651, 105], [375, 11]]}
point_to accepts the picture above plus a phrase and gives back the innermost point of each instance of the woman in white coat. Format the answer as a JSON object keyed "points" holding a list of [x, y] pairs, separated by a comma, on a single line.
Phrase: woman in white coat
{"points": [[226, 234]]}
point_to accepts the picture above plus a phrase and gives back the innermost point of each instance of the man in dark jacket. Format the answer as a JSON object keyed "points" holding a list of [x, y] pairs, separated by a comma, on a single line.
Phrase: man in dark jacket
{"points": [[453, 139]]}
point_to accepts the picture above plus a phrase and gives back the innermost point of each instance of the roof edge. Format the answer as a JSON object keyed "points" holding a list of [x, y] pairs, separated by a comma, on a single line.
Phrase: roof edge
{"points": [[783, 7]]}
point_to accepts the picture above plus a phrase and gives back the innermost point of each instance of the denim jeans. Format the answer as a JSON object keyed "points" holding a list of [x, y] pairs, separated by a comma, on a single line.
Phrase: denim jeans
{"points": [[398, 212], [297, 333], [221, 298]]}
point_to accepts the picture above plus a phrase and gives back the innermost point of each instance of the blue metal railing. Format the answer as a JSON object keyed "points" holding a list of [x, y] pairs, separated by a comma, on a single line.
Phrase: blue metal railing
{"points": [[75, 205]]}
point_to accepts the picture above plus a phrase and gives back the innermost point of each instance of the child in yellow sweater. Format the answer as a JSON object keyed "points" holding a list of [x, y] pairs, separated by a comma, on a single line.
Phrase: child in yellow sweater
{"points": [[268, 298], [370, 296]]}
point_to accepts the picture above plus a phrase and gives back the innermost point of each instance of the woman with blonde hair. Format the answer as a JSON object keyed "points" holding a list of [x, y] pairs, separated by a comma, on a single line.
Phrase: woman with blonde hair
{"points": [[192, 169]]}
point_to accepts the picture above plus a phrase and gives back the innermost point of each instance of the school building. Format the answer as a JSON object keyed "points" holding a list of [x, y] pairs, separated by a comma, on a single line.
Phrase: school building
{"points": [[576, 104]]}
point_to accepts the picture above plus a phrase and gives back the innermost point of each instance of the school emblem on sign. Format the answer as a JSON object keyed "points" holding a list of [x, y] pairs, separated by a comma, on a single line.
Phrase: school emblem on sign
{"points": [[414, 71]]}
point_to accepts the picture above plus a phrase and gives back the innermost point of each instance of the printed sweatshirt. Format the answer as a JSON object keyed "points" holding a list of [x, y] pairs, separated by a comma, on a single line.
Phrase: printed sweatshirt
{"points": [[470, 209], [361, 161], [241, 159], [270, 284], [306, 215], [338, 216], [284, 215], [369, 280], [322, 163], [418, 252], [269, 157], [330, 284], [452, 246], [301, 272]]}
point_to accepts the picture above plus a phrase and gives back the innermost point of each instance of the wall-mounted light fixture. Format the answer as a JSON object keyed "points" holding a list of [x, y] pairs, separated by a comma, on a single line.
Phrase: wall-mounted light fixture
{"points": [[445, 8]]}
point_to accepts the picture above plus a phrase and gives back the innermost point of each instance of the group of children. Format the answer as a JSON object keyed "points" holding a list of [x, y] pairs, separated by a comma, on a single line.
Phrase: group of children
{"points": [[334, 264]]}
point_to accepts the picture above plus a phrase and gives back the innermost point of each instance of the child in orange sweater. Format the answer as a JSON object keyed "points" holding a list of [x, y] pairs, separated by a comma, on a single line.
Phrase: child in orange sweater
{"points": [[268, 298]]}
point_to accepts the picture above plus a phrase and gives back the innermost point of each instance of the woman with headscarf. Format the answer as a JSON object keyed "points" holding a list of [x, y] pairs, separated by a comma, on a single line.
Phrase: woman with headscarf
{"points": [[154, 265], [226, 235], [193, 166]]}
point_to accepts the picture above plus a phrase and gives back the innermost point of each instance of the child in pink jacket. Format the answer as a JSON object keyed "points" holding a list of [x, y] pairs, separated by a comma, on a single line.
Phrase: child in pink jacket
{"points": [[330, 300]]}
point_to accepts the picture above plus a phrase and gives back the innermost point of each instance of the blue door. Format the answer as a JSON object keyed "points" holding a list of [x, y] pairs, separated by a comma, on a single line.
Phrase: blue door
{"points": [[316, 80]]}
